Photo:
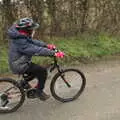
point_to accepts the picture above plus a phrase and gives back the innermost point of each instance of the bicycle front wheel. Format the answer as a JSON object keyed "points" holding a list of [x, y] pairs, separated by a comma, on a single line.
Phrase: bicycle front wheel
{"points": [[12, 95], [68, 85]]}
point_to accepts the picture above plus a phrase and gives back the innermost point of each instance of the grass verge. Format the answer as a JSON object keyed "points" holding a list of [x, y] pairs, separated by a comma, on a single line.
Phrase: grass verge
{"points": [[84, 48]]}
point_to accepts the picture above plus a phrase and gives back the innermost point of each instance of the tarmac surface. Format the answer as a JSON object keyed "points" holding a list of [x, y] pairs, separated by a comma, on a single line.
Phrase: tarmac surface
{"points": [[99, 101]]}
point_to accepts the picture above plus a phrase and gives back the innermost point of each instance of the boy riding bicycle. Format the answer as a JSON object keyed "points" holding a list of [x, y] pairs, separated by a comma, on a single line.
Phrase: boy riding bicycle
{"points": [[23, 47]]}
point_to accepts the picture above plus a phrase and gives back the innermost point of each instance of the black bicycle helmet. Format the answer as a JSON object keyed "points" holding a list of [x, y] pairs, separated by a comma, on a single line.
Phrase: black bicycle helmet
{"points": [[26, 23]]}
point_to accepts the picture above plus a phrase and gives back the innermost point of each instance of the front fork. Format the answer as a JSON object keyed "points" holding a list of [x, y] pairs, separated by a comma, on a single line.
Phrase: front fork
{"points": [[63, 76]]}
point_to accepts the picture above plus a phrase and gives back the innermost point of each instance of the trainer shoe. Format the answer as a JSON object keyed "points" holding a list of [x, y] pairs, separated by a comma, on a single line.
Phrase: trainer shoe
{"points": [[43, 96]]}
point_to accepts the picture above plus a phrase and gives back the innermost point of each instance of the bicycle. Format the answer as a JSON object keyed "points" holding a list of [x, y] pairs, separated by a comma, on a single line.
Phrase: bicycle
{"points": [[12, 97]]}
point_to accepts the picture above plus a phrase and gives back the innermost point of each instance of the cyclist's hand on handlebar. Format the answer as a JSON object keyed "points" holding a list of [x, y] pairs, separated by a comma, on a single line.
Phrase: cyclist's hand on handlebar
{"points": [[51, 46], [59, 54]]}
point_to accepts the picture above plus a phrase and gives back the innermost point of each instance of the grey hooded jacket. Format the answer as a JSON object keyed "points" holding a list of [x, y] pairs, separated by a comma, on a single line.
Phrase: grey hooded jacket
{"points": [[22, 48]]}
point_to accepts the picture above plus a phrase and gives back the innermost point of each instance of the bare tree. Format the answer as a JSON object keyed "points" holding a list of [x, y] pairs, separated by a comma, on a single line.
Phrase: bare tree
{"points": [[63, 17]]}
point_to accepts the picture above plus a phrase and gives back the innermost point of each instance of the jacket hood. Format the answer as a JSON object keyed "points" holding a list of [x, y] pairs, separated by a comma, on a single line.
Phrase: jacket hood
{"points": [[13, 33]]}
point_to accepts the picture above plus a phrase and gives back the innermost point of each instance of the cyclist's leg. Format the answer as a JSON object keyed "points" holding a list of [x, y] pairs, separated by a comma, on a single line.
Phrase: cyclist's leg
{"points": [[25, 82], [40, 73]]}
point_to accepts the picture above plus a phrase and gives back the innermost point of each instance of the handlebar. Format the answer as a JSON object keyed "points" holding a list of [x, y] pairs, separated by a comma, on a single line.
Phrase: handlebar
{"points": [[56, 50]]}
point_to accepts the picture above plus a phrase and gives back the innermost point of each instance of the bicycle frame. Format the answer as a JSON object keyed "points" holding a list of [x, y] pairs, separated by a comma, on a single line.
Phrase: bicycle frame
{"points": [[55, 65]]}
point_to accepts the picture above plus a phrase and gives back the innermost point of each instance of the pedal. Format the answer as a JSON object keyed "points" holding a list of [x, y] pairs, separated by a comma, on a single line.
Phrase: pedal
{"points": [[31, 93]]}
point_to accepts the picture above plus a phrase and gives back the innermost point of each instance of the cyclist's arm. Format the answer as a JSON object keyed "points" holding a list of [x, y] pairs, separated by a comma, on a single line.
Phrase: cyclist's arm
{"points": [[31, 49], [39, 43]]}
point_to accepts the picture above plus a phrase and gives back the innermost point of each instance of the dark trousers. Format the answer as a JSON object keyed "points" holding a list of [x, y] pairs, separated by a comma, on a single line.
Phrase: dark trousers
{"points": [[38, 72]]}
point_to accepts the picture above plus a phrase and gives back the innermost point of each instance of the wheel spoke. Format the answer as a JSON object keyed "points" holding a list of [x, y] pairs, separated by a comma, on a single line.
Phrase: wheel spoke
{"points": [[8, 89]]}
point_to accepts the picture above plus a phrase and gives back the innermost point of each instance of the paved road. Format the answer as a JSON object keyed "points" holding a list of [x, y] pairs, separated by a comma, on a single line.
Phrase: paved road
{"points": [[100, 100]]}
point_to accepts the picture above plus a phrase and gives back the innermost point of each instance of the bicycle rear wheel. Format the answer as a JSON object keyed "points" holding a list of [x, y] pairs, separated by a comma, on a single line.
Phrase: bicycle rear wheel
{"points": [[12, 95], [68, 85]]}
